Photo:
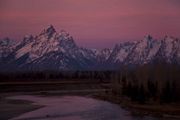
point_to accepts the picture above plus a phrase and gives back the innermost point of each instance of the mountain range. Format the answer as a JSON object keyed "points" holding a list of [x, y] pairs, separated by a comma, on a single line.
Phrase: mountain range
{"points": [[52, 50]]}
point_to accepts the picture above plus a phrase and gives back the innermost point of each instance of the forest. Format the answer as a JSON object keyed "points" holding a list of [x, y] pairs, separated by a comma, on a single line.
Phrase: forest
{"points": [[149, 83]]}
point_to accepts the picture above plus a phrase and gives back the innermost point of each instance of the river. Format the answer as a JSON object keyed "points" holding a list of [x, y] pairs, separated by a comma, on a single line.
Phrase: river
{"points": [[75, 108]]}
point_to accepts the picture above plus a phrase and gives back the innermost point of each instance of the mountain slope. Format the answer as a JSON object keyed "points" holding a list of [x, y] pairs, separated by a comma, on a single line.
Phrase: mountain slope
{"points": [[52, 50], [146, 51]]}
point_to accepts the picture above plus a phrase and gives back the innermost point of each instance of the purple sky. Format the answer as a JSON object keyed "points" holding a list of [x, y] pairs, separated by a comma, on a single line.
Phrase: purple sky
{"points": [[92, 23]]}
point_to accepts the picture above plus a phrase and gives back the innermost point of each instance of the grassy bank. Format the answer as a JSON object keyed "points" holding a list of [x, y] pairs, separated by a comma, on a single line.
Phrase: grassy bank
{"points": [[158, 110]]}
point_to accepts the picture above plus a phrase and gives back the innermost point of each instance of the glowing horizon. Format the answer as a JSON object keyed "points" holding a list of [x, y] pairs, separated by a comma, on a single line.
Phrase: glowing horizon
{"points": [[95, 23]]}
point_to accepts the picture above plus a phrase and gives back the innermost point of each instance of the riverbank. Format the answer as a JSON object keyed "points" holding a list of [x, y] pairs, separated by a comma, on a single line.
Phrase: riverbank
{"points": [[162, 111], [12, 108], [74, 108]]}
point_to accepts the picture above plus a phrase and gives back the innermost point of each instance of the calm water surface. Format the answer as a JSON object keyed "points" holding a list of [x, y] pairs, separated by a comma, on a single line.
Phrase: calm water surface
{"points": [[75, 108]]}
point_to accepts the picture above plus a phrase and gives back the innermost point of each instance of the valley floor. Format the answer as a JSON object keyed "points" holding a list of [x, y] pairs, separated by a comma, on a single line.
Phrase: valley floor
{"points": [[12, 108]]}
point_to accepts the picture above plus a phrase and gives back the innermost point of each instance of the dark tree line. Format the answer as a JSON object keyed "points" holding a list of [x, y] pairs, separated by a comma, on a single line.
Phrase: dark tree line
{"points": [[150, 83], [158, 83], [55, 75]]}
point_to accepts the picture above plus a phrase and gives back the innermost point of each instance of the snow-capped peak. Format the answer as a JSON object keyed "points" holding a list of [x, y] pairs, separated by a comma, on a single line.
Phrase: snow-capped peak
{"points": [[6, 47], [148, 37], [49, 31], [28, 38], [5, 42], [170, 46], [48, 41]]}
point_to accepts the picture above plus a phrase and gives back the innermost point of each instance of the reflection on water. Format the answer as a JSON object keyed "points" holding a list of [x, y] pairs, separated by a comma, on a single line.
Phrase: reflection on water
{"points": [[75, 108]]}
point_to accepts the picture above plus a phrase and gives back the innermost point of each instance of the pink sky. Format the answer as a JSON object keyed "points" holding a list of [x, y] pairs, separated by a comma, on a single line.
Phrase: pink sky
{"points": [[92, 23]]}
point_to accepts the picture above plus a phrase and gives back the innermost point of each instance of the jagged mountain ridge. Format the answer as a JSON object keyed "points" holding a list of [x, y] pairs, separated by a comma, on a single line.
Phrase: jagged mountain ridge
{"points": [[51, 50]]}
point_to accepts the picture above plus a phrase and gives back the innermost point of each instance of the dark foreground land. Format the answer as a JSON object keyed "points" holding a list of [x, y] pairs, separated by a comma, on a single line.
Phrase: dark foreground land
{"points": [[136, 91], [100, 90], [13, 108], [171, 111]]}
